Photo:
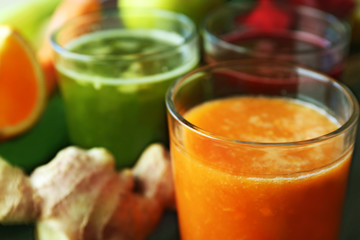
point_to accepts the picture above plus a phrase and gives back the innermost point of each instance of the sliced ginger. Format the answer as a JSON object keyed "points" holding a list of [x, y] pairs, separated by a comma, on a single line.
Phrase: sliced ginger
{"points": [[80, 196]]}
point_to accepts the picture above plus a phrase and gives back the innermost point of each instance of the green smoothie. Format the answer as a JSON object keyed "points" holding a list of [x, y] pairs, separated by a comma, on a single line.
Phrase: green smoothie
{"points": [[120, 105]]}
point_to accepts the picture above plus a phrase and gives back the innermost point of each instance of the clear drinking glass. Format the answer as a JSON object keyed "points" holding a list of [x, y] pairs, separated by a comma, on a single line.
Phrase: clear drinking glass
{"points": [[228, 188], [298, 34], [114, 68]]}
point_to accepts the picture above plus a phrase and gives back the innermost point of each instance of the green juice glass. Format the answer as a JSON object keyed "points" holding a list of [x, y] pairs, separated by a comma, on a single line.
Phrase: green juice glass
{"points": [[114, 68]]}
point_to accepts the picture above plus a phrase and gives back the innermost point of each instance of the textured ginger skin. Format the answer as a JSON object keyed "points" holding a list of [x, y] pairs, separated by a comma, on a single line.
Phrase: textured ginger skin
{"points": [[153, 171], [17, 201], [104, 207], [80, 196], [153, 191], [71, 168], [68, 187]]}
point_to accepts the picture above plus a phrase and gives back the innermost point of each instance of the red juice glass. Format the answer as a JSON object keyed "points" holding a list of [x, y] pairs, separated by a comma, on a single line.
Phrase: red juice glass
{"points": [[298, 34]]}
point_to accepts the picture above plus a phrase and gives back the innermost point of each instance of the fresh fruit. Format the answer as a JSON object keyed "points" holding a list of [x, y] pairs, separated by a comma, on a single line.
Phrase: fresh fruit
{"points": [[37, 26], [66, 10], [29, 17], [22, 85], [267, 16], [195, 9]]}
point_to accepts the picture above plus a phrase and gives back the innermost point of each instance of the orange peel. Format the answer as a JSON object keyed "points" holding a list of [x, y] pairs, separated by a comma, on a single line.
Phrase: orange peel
{"points": [[22, 84]]}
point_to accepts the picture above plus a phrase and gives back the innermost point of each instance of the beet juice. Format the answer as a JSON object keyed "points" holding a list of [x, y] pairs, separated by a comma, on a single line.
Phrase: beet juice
{"points": [[297, 34]]}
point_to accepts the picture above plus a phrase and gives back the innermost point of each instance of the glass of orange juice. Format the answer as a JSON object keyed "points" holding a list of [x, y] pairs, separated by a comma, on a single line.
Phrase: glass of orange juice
{"points": [[260, 150]]}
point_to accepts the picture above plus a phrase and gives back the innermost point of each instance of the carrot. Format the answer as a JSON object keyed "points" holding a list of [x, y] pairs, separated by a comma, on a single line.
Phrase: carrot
{"points": [[66, 10]]}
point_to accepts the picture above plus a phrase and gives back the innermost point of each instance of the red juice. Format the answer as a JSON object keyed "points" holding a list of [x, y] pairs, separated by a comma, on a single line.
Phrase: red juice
{"points": [[306, 49]]}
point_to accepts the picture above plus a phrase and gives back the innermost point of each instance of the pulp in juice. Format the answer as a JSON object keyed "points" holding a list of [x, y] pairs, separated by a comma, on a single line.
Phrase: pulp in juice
{"points": [[231, 189], [119, 105]]}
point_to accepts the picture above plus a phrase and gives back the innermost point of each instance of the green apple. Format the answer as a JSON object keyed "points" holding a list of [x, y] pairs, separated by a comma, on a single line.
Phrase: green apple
{"points": [[29, 17], [195, 9]]}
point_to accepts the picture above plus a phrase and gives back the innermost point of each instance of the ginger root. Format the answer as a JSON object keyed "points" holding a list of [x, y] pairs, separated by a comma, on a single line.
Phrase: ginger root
{"points": [[16, 196], [80, 196], [152, 191]]}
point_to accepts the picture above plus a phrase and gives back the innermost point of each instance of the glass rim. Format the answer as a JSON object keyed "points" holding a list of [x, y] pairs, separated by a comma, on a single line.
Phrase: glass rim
{"points": [[306, 10], [347, 125], [117, 12]]}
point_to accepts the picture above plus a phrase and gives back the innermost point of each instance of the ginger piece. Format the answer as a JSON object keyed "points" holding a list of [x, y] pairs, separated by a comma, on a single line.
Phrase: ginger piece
{"points": [[68, 187], [16, 196], [106, 204], [79, 195], [142, 199], [140, 210], [153, 171], [135, 218]]}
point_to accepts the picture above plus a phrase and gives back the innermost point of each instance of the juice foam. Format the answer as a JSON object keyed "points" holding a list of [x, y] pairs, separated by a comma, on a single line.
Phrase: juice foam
{"points": [[264, 120], [129, 45]]}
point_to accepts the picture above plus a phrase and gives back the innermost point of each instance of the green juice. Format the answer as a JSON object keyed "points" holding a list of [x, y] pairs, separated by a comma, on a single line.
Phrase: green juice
{"points": [[120, 105]]}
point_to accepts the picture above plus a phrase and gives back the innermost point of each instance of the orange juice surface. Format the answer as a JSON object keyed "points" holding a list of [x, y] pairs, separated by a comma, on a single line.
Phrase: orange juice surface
{"points": [[235, 190]]}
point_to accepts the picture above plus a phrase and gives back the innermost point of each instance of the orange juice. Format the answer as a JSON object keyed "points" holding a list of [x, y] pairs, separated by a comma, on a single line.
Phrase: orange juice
{"points": [[250, 184]]}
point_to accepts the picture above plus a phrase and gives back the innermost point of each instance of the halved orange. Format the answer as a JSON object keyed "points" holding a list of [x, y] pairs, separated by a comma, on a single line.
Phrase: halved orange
{"points": [[22, 85]]}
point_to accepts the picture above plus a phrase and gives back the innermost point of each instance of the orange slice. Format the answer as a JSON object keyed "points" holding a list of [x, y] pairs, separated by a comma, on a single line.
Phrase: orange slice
{"points": [[22, 85]]}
